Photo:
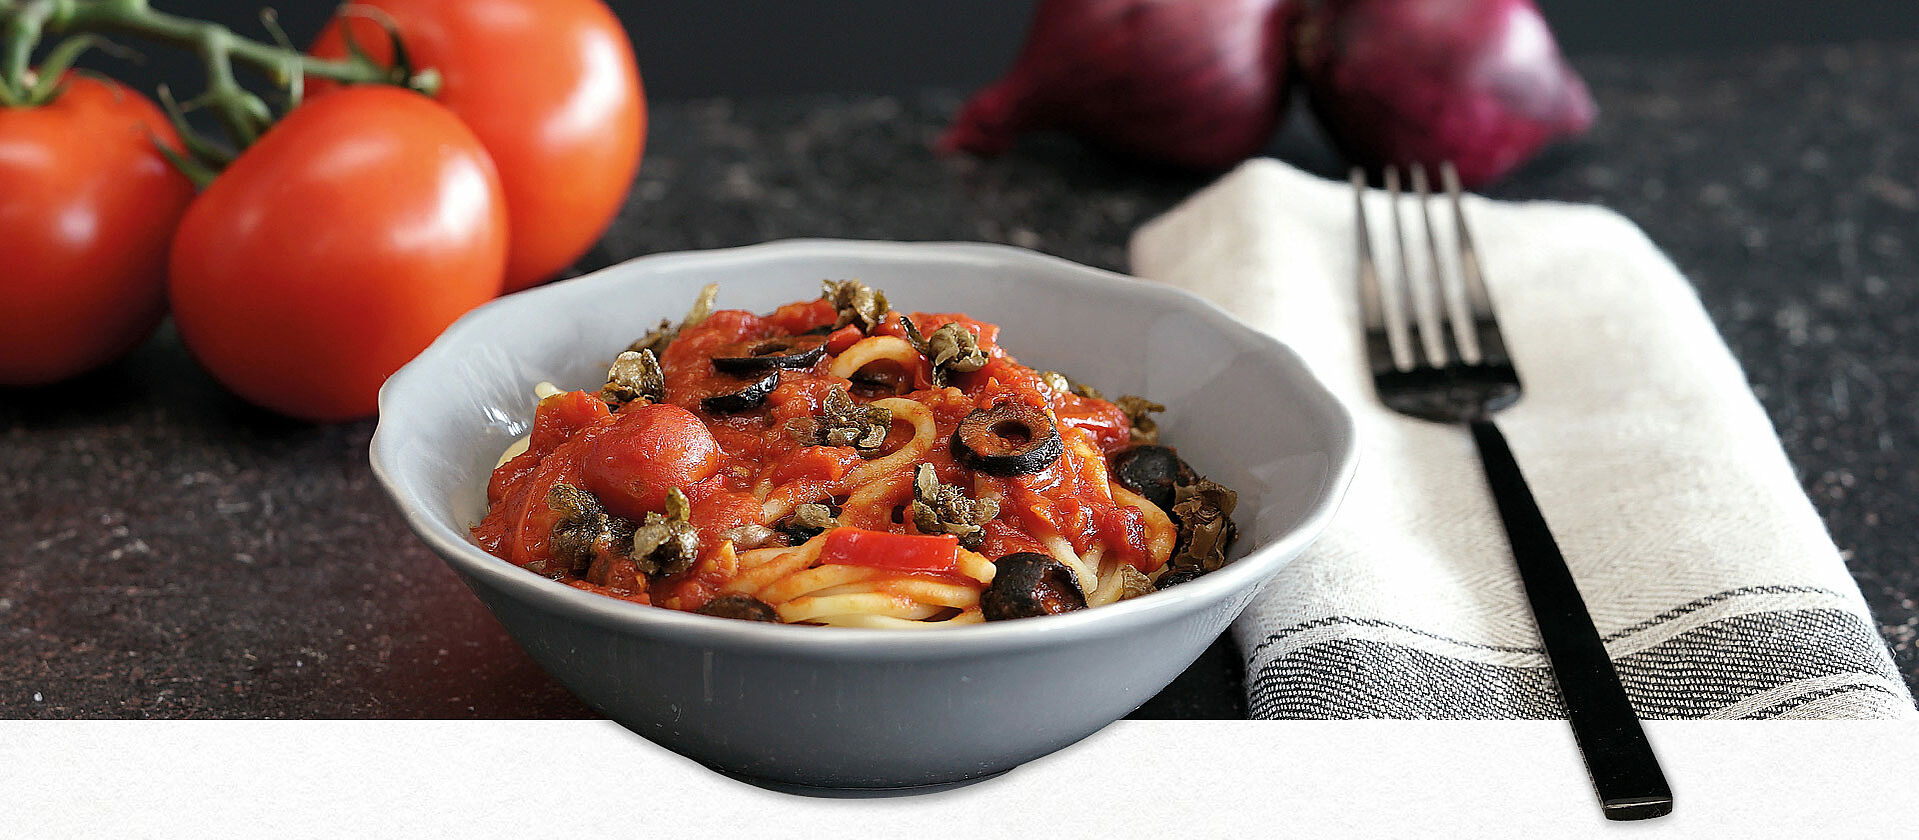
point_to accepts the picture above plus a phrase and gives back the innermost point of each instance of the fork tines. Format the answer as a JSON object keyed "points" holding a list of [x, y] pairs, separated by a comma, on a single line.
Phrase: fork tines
{"points": [[1413, 319]]}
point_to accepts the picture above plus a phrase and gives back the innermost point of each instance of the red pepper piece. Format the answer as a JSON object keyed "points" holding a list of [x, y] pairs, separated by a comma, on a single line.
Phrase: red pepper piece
{"points": [[838, 340], [898, 552]]}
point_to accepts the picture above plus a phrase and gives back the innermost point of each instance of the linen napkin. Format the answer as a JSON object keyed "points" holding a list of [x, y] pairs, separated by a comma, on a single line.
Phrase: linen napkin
{"points": [[1708, 573]]}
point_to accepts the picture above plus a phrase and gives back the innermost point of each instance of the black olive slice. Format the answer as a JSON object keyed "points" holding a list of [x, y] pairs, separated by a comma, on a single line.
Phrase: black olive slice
{"points": [[1175, 577], [745, 399], [880, 380], [1008, 439], [743, 607], [787, 351], [1027, 584], [1152, 471]]}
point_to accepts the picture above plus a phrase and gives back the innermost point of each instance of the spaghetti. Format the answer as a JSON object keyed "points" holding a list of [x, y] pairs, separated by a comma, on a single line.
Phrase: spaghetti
{"points": [[834, 462]]}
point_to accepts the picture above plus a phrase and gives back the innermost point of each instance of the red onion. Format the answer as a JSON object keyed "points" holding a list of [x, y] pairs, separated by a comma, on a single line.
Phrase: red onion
{"points": [[1477, 82], [1183, 82]]}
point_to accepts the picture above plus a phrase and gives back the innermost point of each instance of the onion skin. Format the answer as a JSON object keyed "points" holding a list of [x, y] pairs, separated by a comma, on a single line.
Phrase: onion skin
{"points": [[1196, 85], [1477, 82]]}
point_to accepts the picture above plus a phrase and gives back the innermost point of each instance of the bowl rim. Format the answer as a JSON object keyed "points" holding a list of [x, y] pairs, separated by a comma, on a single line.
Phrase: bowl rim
{"points": [[475, 565]]}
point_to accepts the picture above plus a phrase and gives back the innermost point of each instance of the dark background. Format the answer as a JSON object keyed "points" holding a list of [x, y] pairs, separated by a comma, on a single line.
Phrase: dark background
{"points": [[700, 48]]}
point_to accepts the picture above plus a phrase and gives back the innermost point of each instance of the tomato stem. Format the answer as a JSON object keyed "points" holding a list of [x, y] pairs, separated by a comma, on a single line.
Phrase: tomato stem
{"points": [[199, 173], [280, 64], [21, 22], [59, 60]]}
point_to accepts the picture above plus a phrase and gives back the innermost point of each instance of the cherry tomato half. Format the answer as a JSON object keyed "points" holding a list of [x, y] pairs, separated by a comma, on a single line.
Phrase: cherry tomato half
{"points": [[335, 249], [87, 207], [649, 450], [551, 89]]}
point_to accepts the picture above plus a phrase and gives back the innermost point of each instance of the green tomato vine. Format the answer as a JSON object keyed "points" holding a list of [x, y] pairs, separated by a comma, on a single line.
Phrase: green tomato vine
{"points": [[243, 114]]}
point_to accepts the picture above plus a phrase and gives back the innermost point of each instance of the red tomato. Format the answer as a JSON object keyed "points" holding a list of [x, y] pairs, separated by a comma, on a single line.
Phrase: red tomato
{"points": [[335, 249], [562, 415], [552, 91], [556, 420], [649, 450], [87, 205], [529, 519]]}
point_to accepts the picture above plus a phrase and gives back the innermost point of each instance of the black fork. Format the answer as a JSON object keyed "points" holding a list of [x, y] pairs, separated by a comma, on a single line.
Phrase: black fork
{"points": [[1420, 369]]}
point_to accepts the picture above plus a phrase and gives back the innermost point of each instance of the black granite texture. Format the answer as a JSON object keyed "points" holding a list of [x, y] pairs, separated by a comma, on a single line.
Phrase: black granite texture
{"points": [[166, 551]]}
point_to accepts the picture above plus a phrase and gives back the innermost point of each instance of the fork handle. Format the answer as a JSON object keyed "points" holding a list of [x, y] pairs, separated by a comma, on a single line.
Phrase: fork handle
{"points": [[1624, 770]]}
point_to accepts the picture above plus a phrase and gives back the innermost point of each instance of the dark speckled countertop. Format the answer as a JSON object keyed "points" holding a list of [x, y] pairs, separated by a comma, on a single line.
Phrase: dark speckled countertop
{"points": [[168, 552]]}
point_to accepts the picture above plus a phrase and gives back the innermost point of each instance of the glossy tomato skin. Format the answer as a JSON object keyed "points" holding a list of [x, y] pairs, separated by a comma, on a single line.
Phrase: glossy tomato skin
{"points": [[648, 450], [87, 207], [335, 249], [551, 89]]}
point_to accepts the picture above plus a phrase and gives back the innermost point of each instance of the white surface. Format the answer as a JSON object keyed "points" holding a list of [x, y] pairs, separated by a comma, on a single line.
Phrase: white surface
{"points": [[1656, 468], [485, 779]]}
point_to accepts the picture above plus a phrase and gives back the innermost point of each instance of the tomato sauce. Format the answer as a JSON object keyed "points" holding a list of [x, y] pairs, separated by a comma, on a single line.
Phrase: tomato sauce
{"points": [[760, 456]]}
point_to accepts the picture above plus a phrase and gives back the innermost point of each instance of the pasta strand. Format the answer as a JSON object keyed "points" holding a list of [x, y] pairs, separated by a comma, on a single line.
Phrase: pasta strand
{"points": [[1160, 532], [925, 432]]}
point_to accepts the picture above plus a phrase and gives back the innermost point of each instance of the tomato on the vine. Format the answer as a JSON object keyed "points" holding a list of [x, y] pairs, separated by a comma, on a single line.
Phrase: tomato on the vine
{"points": [[87, 207], [551, 89], [336, 248]]}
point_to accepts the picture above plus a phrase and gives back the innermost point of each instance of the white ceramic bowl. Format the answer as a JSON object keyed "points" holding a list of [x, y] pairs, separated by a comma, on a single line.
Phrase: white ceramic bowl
{"points": [[849, 710]]}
